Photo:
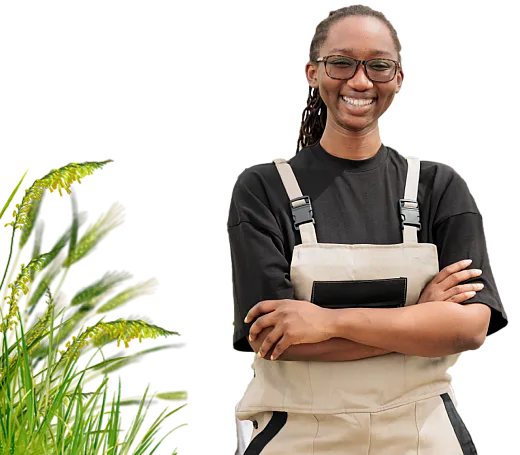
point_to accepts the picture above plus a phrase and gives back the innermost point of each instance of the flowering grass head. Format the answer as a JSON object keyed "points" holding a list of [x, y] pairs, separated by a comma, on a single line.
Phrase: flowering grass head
{"points": [[59, 179]]}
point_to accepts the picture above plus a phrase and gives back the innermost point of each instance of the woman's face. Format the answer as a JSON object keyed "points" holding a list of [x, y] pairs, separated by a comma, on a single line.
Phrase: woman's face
{"points": [[358, 37]]}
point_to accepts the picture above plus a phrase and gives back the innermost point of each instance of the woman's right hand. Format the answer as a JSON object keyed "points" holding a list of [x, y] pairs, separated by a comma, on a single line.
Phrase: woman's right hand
{"points": [[445, 286]]}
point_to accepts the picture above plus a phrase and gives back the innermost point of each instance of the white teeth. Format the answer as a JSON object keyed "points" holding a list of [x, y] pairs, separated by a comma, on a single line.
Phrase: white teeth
{"points": [[357, 102]]}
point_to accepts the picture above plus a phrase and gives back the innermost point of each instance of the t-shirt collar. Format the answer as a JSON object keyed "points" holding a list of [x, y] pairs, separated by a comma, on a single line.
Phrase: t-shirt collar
{"points": [[347, 164]]}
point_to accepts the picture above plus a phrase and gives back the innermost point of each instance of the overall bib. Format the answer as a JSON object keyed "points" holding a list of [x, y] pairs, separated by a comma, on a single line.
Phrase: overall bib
{"points": [[393, 404]]}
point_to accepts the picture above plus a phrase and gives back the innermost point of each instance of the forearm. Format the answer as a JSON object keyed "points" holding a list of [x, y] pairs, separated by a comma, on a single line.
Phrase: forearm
{"points": [[332, 350], [430, 329]]}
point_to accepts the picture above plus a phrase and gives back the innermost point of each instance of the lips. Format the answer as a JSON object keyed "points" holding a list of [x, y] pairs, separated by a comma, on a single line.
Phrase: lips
{"points": [[358, 101]]}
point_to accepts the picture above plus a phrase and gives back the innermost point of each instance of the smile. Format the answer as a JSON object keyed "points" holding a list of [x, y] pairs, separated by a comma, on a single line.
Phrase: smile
{"points": [[357, 102]]}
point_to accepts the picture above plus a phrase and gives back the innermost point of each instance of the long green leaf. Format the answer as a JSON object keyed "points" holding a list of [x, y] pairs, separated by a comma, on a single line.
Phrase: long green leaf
{"points": [[12, 195], [147, 437], [134, 401], [176, 428], [130, 359], [12, 248], [135, 425]]}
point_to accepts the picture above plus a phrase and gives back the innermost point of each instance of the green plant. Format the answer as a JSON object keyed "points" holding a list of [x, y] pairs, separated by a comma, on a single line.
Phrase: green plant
{"points": [[44, 408]]}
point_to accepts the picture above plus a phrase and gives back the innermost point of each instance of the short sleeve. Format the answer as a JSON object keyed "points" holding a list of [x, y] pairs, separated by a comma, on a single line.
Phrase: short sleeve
{"points": [[260, 270], [462, 237]]}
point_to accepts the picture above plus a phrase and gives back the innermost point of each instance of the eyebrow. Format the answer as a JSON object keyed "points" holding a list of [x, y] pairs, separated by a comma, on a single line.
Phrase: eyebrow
{"points": [[370, 51]]}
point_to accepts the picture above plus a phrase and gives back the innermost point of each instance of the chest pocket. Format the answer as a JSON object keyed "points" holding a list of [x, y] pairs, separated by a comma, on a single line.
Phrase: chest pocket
{"points": [[385, 293]]}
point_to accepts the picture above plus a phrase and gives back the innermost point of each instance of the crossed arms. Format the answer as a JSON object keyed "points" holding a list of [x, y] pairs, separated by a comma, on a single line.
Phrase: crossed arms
{"points": [[438, 325]]}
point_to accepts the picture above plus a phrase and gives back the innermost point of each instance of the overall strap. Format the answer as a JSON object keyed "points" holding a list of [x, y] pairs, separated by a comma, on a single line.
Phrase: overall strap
{"points": [[301, 207], [409, 207]]}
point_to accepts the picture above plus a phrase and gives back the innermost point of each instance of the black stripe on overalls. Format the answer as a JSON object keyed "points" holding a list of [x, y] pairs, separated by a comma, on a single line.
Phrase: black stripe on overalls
{"points": [[462, 433], [278, 420]]}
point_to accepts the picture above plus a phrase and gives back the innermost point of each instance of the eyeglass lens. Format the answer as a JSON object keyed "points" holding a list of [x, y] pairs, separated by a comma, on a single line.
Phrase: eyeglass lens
{"points": [[379, 70]]}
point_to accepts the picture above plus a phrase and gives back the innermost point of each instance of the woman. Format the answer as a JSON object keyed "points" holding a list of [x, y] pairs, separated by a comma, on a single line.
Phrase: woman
{"points": [[350, 270]]}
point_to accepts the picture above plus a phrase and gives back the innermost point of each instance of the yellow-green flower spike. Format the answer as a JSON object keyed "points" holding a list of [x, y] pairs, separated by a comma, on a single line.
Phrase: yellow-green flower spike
{"points": [[120, 330], [58, 179], [17, 286]]}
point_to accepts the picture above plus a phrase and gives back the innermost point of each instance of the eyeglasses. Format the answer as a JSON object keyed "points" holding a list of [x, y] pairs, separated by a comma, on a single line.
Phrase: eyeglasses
{"points": [[343, 68]]}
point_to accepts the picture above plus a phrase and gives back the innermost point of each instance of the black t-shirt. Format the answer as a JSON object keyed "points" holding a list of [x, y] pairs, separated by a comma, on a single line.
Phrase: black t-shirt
{"points": [[354, 201]]}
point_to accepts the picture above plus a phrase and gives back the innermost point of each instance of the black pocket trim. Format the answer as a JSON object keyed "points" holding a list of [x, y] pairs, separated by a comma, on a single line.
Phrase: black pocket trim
{"points": [[278, 420], [386, 293], [462, 433]]}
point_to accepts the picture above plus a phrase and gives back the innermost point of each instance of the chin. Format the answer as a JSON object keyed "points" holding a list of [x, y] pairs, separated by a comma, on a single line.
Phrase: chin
{"points": [[353, 125]]}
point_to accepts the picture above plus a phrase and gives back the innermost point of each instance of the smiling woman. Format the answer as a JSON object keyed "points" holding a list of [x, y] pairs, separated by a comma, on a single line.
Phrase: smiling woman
{"points": [[347, 40], [350, 270]]}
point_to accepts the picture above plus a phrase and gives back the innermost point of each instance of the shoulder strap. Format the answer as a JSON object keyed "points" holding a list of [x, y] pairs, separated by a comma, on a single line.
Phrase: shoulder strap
{"points": [[409, 207], [302, 209], [300, 205]]}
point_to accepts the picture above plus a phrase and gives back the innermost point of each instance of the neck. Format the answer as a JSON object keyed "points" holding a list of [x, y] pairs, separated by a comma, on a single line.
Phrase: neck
{"points": [[352, 145]]}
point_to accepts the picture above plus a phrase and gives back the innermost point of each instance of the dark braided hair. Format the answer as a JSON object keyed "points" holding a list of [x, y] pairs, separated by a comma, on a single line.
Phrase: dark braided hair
{"points": [[314, 116]]}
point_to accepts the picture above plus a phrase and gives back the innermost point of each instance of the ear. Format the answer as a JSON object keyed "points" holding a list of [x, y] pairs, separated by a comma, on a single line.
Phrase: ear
{"points": [[400, 77], [311, 71]]}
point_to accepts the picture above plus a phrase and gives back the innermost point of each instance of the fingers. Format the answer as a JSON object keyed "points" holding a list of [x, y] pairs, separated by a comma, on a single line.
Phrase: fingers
{"points": [[267, 320], [269, 341], [451, 269], [463, 292], [456, 278], [459, 298], [280, 348], [265, 306]]}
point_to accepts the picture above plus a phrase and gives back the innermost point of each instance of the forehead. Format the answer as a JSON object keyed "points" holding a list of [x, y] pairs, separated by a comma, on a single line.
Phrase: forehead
{"points": [[361, 37]]}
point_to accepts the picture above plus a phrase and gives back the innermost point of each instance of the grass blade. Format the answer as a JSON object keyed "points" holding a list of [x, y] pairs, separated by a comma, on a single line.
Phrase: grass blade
{"points": [[169, 433], [135, 425], [12, 194], [146, 440]]}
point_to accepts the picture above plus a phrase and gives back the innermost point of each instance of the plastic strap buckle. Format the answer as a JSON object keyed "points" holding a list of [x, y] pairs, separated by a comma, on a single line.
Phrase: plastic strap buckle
{"points": [[301, 211], [409, 210]]}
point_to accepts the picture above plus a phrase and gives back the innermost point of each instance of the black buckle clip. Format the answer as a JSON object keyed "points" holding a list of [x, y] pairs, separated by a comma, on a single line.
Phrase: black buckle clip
{"points": [[302, 212], [409, 215]]}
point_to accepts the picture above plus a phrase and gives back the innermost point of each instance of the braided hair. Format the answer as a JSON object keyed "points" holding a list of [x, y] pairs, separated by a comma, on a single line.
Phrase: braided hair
{"points": [[314, 117]]}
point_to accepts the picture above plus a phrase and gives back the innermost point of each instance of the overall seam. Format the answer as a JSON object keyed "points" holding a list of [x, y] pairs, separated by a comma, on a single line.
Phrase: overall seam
{"points": [[310, 383], [417, 427], [316, 435], [312, 402], [369, 432]]}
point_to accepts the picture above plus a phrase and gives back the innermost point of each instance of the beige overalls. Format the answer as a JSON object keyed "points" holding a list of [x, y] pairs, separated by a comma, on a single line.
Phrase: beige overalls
{"points": [[393, 404]]}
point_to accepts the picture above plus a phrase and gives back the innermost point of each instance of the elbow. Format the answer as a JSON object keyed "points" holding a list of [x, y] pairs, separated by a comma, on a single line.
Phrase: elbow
{"points": [[472, 343], [462, 342], [478, 340], [480, 324]]}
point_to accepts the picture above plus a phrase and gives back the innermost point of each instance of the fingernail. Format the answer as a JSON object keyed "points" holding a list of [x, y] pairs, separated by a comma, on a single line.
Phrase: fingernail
{"points": [[259, 354], [478, 272], [480, 285], [467, 261]]}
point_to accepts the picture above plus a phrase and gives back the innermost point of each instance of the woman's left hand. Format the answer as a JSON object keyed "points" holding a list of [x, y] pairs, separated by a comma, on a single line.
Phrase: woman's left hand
{"points": [[294, 322]]}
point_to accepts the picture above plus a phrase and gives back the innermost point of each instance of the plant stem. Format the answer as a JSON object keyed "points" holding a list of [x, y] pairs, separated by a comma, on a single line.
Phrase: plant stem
{"points": [[18, 257], [59, 284], [9, 258]]}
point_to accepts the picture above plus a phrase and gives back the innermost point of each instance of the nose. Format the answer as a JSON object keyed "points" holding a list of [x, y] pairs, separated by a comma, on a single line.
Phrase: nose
{"points": [[360, 80]]}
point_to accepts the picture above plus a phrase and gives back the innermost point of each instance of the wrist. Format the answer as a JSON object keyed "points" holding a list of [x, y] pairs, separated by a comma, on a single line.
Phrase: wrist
{"points": [[340, 322]]}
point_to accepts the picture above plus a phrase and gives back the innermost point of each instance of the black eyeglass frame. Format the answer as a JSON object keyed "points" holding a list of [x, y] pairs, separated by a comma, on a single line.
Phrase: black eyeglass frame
{"points": [[364, 62]]}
